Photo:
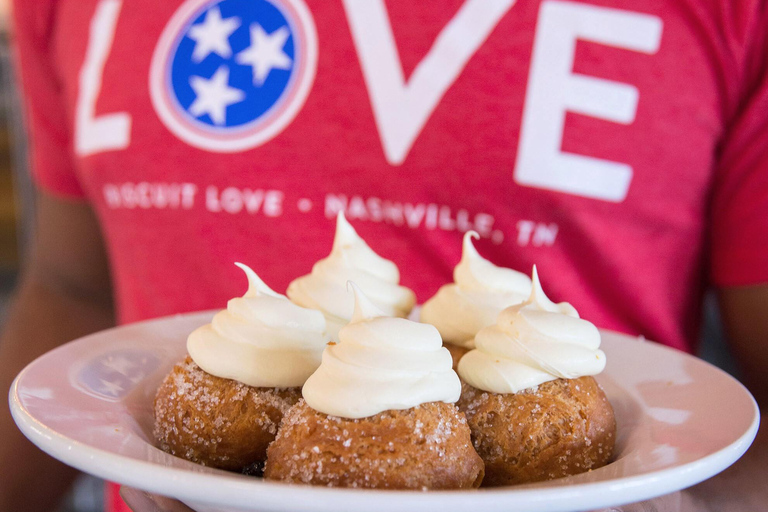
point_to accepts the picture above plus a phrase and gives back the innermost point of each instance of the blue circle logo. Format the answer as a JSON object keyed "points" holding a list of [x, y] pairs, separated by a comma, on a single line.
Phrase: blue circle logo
{"points": [[229, 75]]}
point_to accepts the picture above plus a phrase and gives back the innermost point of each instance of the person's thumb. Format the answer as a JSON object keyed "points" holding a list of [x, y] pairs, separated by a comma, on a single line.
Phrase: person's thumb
{"points": [[142, 501]]}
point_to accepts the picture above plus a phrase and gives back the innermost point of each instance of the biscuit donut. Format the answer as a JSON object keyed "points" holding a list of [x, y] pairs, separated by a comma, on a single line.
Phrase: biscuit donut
{"points": [[563, 427], [217, 422], [424, 447]]}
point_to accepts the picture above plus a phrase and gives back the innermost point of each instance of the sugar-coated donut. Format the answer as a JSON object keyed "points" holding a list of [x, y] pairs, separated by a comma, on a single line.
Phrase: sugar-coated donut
{"points": [[562, 427], [457, 353], [424, 447], [217, 422]]}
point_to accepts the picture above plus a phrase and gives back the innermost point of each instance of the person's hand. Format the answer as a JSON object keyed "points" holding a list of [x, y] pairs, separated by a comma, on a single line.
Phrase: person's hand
{"points": [[142, 501], [680, 501]]}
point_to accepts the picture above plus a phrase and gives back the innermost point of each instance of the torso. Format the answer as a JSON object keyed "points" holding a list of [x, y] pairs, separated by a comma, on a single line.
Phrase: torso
{"points": [[610, 204]]}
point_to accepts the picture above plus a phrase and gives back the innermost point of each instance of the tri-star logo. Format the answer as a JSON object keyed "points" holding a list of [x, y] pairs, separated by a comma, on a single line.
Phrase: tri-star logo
{"points": [[229, 75]]}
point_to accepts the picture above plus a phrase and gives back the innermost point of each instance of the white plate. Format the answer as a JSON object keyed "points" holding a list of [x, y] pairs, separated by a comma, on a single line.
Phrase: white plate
{"points": [[88, 403]]}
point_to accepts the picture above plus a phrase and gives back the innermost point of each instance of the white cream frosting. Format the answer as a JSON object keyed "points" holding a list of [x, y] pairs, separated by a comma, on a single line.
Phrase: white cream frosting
{"points": [[480, 291], [325, 288], [382, 363], [532, 343], [262, 339]]}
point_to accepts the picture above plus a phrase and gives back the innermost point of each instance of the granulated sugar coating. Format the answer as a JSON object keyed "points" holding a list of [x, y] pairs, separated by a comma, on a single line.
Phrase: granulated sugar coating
{"points": [[562, 427], [217, 422], [425, 447]]}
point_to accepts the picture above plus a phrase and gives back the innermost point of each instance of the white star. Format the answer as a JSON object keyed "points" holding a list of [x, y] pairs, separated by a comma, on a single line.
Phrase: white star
{"points": [[212, 35], [265, 52], [214, 95], [110, 388], [137, 378], [119, 364]]}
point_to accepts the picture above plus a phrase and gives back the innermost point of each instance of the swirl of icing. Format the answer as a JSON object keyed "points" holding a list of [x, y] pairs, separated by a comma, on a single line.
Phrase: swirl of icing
{"points": [[382, 363], [532, 343], [325, 288], [480, 291], [262, 339]]}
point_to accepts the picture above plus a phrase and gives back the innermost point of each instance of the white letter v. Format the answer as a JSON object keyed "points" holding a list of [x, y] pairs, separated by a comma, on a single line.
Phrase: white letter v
{"points": [[401, 109]]}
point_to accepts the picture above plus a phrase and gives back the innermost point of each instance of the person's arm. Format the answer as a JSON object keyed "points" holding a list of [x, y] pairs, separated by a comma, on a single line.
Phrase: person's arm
{"points": [[742, 487], [64, 293], [745, 318]]}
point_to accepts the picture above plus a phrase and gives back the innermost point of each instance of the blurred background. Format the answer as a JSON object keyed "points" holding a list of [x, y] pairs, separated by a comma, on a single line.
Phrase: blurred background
{"points": [[10, 191], [16, 217], [16, 209]]}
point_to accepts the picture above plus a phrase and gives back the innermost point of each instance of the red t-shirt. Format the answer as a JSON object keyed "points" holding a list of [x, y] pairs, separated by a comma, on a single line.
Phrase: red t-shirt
{"points": [[618, 145]]}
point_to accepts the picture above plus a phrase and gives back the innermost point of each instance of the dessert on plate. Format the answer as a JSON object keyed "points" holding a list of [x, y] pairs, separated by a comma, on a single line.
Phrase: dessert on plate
{"points": [[378, 413], [480, 291], [535, 411], [325, 288], [222, 405]]}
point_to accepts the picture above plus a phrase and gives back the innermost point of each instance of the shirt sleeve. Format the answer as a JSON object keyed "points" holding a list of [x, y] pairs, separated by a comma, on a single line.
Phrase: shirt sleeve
{"points": [[48, 130], [739, 207]]}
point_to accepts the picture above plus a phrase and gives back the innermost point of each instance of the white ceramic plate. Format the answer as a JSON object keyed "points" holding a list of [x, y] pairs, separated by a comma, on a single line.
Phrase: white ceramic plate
{"points": [[88, 403]]}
